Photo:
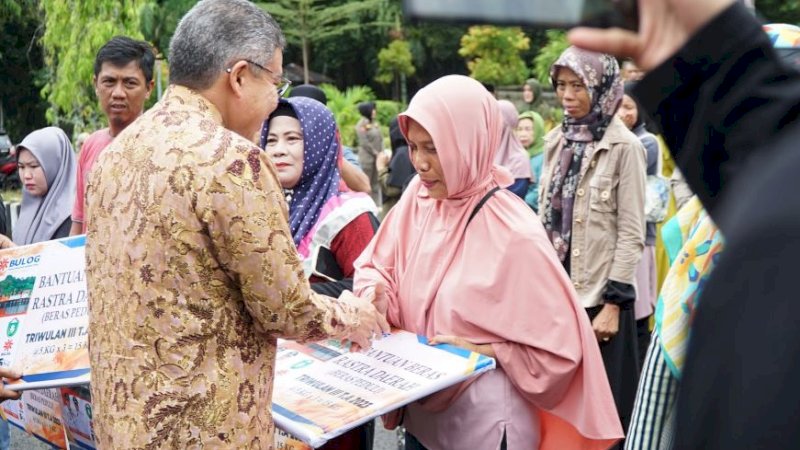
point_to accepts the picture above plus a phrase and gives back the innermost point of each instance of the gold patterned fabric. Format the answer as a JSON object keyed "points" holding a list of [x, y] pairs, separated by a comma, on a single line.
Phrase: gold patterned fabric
{"points": [[192, 275]]}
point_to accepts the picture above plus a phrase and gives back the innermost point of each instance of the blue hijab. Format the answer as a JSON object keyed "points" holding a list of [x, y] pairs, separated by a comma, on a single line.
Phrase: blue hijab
{"points": [[319, 180]]}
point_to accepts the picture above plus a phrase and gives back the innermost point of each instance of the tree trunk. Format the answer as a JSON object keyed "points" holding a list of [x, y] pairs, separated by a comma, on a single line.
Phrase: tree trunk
{"points": [[305, 60], [403, 89]]}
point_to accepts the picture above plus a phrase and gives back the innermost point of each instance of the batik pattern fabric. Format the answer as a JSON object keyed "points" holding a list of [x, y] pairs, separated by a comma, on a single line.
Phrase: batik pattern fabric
{"points": [[700, 244], [193, 275]]}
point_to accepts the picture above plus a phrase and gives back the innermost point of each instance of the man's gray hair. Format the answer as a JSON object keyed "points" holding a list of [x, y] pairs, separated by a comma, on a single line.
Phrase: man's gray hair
{"points": [[215, 34]]}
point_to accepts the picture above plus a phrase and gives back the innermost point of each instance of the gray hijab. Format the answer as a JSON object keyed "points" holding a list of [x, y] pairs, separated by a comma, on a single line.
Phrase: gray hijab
{"points": [[40, 217]]}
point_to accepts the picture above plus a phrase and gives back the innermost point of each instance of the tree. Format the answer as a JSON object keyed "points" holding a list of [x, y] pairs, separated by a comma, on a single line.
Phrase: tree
{"points": [[22, 66], [394, 64], [74, 31], [158, 20], [305, 22], [493, 54], [556, 44], [344, 105], [779, 11]]}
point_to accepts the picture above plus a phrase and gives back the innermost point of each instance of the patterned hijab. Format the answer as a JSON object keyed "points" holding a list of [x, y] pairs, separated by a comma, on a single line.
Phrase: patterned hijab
{"points": [[600, 74], [40, 217], [319, 180]]}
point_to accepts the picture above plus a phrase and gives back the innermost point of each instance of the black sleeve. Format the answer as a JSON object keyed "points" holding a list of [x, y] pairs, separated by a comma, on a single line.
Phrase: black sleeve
{"points": [[620, 294], [720, 99], [739, 389]]}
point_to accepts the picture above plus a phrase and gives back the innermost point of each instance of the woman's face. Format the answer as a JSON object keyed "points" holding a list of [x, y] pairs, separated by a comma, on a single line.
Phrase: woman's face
{"points": [[527, 94], [285, 149], [31, 173], [425, 159], [525, 132], [628, 111], [572, 93]]}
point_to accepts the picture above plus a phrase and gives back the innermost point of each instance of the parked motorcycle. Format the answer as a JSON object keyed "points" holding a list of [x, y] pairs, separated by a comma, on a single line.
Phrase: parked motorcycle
{"points": [[9, 176]]}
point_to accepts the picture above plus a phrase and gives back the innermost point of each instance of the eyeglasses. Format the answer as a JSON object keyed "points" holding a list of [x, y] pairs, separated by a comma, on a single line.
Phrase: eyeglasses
{"points": [[282, 86]]}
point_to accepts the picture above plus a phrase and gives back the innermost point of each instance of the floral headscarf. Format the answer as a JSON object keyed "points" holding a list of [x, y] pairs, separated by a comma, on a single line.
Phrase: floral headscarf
{"points": [[600, 74]]}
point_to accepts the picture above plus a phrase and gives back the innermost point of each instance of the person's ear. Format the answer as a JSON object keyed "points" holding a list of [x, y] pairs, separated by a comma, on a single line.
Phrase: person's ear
{"points": [[236, 78], [149, 87]]}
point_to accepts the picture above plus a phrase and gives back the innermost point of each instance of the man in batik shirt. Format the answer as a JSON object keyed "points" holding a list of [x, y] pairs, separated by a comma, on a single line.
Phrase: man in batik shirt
{"points": [[192, 270]]}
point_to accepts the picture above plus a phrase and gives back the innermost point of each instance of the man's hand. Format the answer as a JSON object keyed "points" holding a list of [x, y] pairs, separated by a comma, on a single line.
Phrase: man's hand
{"points": [[665, 26], [606, 323], [371, 322], [5, 394]]}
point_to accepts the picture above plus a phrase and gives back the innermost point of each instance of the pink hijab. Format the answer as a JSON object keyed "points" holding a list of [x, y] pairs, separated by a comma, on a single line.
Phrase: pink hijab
{"points": [[497, 282], [512, 154]]}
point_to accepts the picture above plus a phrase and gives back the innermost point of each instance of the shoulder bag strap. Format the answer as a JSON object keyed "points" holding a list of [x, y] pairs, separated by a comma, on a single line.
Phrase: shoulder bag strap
{"points": [[481, 203]]}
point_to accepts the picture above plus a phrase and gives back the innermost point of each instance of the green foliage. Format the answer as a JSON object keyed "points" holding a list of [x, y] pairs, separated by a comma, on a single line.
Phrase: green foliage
{"points": [[344, 105], [493, 54], [393, 60], [74, 31], [158, 20], [779, 11], [306, 22], [388, 110], [21, 66], [11, 285], [556, 44], [10, 10]]}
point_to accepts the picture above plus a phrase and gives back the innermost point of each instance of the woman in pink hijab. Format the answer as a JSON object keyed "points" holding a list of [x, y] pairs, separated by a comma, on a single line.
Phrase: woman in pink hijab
{"points": [[462, 261], [512, 154]]}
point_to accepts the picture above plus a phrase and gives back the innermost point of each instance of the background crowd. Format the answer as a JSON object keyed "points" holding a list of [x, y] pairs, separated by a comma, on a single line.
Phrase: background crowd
{"points": [[261, 224]]}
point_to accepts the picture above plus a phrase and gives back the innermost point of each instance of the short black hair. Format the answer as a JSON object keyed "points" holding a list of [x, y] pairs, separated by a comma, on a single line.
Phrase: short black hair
{"points": [[121, 50]]}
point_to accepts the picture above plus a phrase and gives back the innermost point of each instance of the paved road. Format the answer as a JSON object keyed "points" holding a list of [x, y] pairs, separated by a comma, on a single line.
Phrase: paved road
{"points": [[384, 440]]}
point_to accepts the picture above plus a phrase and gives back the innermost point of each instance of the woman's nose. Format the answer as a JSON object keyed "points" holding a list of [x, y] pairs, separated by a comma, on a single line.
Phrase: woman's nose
{"points": [[277, 150]]}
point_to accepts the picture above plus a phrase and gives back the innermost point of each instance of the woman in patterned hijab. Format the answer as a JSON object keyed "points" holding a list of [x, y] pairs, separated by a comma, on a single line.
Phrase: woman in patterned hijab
{"points": [[330, 228], [595, 92], [592, 207]]}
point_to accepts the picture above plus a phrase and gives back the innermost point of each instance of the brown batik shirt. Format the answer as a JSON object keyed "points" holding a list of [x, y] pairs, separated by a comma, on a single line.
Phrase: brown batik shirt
{"points": [[192, 275]]}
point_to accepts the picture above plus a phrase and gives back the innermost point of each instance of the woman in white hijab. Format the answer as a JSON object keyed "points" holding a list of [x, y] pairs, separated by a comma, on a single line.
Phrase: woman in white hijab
{"points": [[47, 170]]}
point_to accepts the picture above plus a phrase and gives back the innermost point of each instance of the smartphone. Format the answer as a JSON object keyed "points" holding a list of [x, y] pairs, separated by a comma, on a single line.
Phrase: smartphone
{"points": [[538, 13]]}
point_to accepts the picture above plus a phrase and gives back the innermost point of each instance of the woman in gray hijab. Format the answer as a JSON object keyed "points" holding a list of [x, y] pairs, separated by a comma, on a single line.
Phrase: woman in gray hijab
{"points": [[47, 169]]}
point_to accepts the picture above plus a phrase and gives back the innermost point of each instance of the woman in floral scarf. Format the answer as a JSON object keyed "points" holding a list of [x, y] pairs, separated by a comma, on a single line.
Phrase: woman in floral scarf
{"points": [[592, 208]]}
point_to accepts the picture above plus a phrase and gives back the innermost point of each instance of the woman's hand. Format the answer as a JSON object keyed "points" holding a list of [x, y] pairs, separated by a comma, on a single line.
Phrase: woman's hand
{"points": [[382, 160], [606, 323], [378, 298], [665, 26], [484, 349]]}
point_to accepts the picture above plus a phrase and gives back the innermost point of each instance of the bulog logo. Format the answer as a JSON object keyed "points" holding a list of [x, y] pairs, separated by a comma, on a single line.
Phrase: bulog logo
{"points": [[18, 263]]}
